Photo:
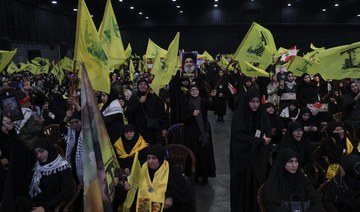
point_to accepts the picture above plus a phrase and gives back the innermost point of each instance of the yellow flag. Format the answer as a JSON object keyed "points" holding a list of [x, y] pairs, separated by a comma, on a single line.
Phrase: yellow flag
{"points": [[258, 46], [134, 180], [160, 78], [314, 55], [12, 68], [316, 48], [42, 63], [32, 68], [128, 51], [172, 56], [5, 58], [205, 56], [131, 70], [110, 37], [340, 62], [66, 64], [153, 50], [89, 50], [57, 72], [252, 71], [300, 65]]}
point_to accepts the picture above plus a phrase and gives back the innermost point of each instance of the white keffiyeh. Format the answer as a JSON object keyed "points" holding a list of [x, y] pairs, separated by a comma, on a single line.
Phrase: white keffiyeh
{"points": [[59, 164]]}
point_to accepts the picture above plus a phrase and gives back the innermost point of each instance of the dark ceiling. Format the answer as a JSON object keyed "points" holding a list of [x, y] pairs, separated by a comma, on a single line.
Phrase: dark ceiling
{"points": [[203, 12]]}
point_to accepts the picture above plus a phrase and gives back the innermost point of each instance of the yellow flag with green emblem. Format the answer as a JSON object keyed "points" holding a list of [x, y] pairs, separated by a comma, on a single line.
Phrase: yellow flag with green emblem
{"points": [[171, 57], [153, 50], [300, 65], [5, 58], [340, 62], [12, 68], [258, 46], [110, 37], [251, 71], [314, 55], [42, 63], [89, 50]]}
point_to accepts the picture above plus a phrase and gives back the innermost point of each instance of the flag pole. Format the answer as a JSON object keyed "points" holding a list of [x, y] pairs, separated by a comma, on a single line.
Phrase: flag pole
{"points": [[73, 85]]}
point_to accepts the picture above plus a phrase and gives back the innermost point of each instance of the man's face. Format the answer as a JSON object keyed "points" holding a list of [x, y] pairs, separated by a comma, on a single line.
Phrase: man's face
{"points": [[189, 65]]}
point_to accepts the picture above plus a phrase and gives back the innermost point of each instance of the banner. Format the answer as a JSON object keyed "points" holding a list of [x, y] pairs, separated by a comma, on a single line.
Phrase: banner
{"points": [[99, 157]]}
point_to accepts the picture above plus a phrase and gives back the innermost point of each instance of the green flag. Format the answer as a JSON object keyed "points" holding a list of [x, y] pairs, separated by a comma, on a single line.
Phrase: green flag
{"points": [[340, 62], [5, 58], [258, 46]]}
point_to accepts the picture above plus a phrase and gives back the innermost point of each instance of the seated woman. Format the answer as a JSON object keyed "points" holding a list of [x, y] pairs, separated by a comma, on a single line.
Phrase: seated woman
{"points": [[277, 127], [290, 113], [343, 193], [52, 181], [160, 185], [310, 129], [287, 183], [335, 146]]}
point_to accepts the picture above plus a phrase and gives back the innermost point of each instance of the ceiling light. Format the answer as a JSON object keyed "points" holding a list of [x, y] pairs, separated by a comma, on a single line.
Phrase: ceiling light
{"points": [[178, 6], [216, 0], [54, 2], [120, 0], [174, 0], [215, 5], [181, 11], [289, 5], [324, 10], [91, 16], [358, 15], [140, 13], [74, 9], [336, 5], [131, 8], [146, 17], [252, 0]]}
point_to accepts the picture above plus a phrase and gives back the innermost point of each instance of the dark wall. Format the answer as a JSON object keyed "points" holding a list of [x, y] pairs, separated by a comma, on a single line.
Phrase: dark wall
{"points": [[225, 39]]}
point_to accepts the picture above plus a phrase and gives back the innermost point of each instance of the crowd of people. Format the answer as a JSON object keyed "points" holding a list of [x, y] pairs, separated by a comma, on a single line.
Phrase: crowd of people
{"points": [[280, 118]]}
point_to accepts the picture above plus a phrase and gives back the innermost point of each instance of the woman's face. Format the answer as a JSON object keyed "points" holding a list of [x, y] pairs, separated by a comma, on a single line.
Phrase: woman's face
{"points": [[354, 87], [153, 162], [129, 135], [340, 131], [292, 165], [143, 86], [41, 154], [307, 78], [104, 98], [305, 116], [270, 110], [297, 134], [194, 92], [254, 103], [122, 103], [292, 107]]}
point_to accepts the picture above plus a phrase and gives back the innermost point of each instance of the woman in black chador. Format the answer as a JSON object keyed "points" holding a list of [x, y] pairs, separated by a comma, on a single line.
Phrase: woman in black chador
{"points": [[250, 133], [287, 183], [198, 132]]}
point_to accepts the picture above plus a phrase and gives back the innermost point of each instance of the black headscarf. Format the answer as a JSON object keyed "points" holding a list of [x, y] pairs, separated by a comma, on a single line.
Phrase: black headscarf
{"points": [[351, 165], [111, 97], [139, 93], [45, 144], [331, 126], [129, 144], [283, 183], [159, 151]]}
